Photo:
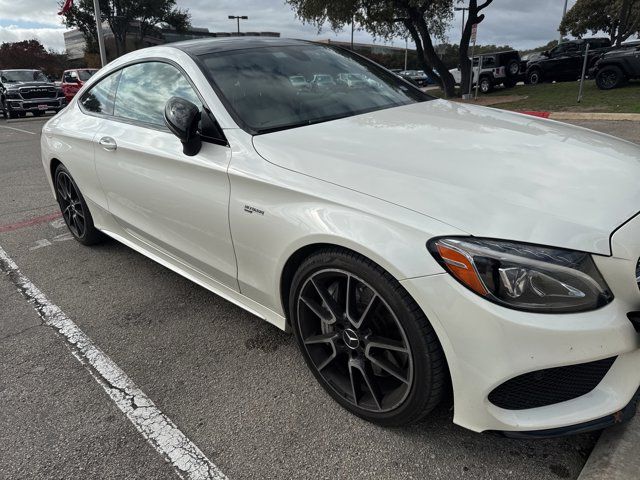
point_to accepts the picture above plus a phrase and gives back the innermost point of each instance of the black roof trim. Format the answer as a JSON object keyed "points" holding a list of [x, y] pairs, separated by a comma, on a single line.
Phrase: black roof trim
{"points": [[203, 46]]}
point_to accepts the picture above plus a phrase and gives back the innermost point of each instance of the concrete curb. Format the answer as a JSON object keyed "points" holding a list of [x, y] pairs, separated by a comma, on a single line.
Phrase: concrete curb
{"points": [[616, 455], [618, 117]]}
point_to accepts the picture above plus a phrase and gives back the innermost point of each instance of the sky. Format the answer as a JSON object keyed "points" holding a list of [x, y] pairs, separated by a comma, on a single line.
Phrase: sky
{"points": [[522, 24]]}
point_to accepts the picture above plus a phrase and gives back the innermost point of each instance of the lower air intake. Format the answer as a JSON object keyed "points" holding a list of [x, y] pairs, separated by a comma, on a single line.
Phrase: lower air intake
{"points": [[549, 386]]}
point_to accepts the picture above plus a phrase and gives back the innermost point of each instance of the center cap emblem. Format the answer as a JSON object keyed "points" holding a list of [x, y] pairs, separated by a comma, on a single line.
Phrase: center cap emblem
{"points": [[351, 339]]}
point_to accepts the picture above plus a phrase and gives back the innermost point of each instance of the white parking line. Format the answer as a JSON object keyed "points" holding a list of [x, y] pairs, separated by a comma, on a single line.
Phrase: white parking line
{"points": [[18, 129], [165, 437]]}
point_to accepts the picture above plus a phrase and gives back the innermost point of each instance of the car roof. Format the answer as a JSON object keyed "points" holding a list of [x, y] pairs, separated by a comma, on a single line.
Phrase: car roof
{"points": [[205, 46]]}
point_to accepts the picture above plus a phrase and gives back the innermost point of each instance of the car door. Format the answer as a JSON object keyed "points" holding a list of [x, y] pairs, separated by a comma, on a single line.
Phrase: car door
{"points": [[169, 201]]}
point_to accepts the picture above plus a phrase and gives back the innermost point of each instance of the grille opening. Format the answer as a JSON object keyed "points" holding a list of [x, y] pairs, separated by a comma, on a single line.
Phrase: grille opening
{"points": [[549, 386]]}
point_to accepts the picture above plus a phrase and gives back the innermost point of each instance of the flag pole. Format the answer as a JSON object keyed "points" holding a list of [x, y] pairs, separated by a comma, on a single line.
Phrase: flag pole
{"points": [[98, 17]]}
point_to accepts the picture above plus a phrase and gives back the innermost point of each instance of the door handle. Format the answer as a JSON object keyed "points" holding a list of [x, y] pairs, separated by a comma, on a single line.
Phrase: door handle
{"points": [[108, 143]]}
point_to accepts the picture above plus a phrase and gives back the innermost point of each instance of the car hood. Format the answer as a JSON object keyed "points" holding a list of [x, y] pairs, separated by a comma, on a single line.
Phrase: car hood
{"points": [[487, 172]]}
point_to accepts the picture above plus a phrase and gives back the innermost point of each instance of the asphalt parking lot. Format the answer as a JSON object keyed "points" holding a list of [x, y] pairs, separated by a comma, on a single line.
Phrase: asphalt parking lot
{"points": [[234, 385]]}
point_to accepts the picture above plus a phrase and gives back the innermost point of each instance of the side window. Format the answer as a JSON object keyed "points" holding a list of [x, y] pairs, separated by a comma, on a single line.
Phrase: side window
{"points": [[100, 98], [144, 89]]}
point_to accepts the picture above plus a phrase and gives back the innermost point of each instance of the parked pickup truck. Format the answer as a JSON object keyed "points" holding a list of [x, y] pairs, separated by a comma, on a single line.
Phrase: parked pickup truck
{"points": [[565, 61], [23, 91], [614, 68], [73, 80]]}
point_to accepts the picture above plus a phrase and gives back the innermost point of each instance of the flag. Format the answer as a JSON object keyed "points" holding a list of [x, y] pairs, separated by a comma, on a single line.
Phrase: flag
{"points": [[66, 7]]}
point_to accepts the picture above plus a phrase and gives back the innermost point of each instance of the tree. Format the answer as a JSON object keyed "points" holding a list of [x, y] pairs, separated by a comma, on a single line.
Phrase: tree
{"points": [[31, 54], [423, 20], [474, 18], [620, 19], [119, 14]]}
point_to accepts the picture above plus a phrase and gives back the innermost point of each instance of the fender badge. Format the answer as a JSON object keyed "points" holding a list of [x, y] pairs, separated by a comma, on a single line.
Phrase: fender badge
{"points": [[250, 209]]}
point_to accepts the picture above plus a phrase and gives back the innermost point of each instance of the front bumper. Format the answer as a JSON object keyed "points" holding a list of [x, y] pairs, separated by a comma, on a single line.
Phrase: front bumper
{"points": [[31, 105], [487, 345]]}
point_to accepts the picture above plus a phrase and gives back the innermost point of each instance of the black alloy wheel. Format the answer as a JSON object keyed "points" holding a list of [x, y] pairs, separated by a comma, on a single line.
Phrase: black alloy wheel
{"points": [[534, 77], [74, 209], [363, 342], [609, 78]]}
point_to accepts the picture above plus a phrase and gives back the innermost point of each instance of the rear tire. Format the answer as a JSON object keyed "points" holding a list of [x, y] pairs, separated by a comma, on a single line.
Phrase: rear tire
{"points": [[365, 339], [74, 208], [610, 77]]}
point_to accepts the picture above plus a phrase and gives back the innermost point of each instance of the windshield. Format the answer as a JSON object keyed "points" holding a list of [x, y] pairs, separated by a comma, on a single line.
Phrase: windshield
{"points": [[85, 75], [23, 76], [275, 88]]}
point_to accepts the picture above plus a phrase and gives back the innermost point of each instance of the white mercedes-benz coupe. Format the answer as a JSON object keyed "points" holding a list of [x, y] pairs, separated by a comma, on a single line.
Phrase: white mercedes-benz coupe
{"points": [[412, 245]]}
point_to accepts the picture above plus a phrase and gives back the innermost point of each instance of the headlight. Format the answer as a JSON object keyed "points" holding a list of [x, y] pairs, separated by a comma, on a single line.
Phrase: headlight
{"points": [[13, 94], [524, 277]]}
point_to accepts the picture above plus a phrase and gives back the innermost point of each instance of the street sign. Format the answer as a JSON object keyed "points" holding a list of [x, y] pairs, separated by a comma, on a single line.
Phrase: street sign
{"points": [[474, 32]]}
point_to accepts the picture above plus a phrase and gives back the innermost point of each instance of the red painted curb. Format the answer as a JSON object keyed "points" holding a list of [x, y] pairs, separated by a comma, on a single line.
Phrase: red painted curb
{"points": [[29, 223], [535, 114]]}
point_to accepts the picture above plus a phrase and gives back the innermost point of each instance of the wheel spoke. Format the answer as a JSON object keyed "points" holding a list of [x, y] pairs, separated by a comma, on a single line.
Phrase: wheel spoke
{"points": [[325, 338], [328, 300], [316, 309], [366, 311], [387, 367], [376, 395], [386, 344]]}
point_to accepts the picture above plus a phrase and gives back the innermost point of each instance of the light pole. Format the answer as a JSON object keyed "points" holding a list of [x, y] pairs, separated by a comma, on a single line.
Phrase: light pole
{"points": [[238, 18], [462, 9], [564, 12], [406, 51]]}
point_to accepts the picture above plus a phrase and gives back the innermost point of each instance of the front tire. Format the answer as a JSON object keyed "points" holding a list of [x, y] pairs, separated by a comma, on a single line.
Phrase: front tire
{"points": [[610, 77], [74, 208], [486, 84], [365, 339], [534, 77]]}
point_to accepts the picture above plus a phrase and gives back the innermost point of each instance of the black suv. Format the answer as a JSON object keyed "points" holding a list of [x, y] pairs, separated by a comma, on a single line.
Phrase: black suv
{"points": [[23, 91], [614, 68], [564, 62]]}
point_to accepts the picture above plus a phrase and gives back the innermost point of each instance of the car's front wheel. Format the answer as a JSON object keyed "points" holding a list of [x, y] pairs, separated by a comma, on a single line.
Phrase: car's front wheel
{"points": [[486, 84], [74, 208], [610, 77], [365, 339], [534, 77]]}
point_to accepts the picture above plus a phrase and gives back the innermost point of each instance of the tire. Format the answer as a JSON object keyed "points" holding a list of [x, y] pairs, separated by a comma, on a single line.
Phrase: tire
{"points": [[395, 381], [74, 208], [8, 114], [512, 68], [610, 77], [486, 84], [509, 83], [534, 77]]}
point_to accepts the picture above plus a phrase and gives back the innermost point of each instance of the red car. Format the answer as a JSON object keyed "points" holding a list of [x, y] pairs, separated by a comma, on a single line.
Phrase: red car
{"points": [[72, 80]]}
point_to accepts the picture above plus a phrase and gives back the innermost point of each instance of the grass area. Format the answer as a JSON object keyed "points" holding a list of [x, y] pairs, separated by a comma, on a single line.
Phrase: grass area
{"points": [[562, 97]]}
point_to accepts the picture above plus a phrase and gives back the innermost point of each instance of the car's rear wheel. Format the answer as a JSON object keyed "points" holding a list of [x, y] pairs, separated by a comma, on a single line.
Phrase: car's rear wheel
{"points": [[74, 208], [365, 340], [610, 77], [534, 77]]}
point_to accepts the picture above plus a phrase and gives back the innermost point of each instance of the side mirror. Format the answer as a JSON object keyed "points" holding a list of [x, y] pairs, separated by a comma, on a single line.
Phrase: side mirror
{"points": [[182, 117]]}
